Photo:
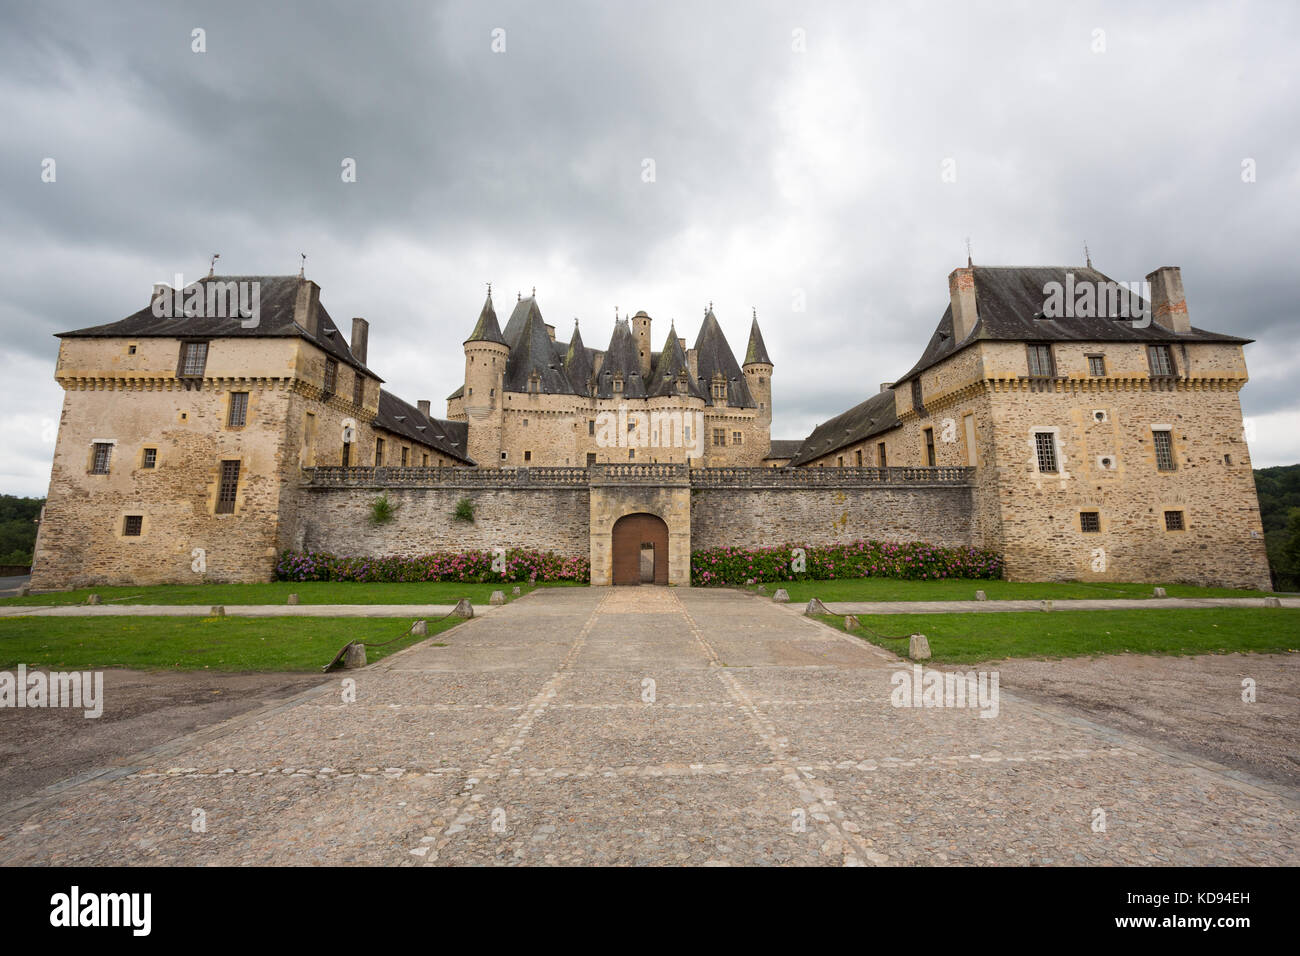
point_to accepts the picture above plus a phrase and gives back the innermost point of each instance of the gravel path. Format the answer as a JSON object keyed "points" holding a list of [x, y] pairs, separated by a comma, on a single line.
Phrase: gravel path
{"points": [[654, 726]]}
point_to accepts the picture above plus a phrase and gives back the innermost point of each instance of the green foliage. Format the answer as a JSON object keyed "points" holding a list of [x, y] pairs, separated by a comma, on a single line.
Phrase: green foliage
{"points": [[18, 528], [464, 510], [1279, 503], [382, 510]]}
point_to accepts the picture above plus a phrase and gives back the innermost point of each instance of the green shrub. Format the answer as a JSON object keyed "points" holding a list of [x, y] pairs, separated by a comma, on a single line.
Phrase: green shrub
{"points": [[382, 510], [464, 510]]}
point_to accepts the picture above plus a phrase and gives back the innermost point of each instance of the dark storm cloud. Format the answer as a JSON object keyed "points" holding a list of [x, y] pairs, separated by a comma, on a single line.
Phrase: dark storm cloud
{"points": [[779, 174]]}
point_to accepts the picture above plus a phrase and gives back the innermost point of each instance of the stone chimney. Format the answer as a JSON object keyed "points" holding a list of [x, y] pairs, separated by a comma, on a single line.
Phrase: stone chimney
{"points": [[550, 331], [1168, 304], [961, 289], [360, 339], [306, 307], [423, 406], [886, 386]]}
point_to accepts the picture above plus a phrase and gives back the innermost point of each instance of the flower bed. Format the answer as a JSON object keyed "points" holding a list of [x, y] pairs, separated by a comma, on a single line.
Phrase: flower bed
{"points": [[916, 561], [467, 566]]}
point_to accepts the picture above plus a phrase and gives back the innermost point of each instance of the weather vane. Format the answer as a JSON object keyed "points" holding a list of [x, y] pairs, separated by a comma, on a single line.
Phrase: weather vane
{"points": [[212, 265]]}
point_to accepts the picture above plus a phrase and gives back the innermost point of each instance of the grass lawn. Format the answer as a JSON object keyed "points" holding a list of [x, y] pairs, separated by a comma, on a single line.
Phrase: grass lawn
{"points": [[970, 638], [309, 592], [195, 643], [892, 589]]}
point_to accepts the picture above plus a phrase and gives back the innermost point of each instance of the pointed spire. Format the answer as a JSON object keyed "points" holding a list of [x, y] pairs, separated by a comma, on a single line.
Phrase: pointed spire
{"points": [[487, 329], [756, 353]]}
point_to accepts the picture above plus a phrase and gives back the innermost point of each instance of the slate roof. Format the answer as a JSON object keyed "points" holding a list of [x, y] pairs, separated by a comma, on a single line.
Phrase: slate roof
{"points": [[860, 422], [533, 352], [577, 363], [276, 298], [1008, 299], [784, 448], [487, 329], [714, 355], [621, 356], [757, 351], [400, 418], [668, 365]]}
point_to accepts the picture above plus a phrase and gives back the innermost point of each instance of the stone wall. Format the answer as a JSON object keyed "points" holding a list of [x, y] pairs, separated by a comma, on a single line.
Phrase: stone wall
{"points": [[739, 517]]}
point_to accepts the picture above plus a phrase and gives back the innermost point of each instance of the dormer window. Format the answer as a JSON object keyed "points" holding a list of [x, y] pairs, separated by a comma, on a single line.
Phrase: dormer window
{"points": [[618, 381], [534, 383]]}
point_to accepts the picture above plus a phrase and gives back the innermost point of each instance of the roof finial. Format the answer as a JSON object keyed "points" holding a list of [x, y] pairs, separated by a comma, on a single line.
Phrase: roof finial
{"points": [[575, 322], [534, 292], [212, 266], [302, 267], [1087, 256], [755, 308], [489, 285], [969, 263], [519, 297]]}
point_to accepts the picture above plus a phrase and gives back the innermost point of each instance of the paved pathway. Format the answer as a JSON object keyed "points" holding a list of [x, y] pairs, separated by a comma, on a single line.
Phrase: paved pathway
{"points": [[1073, 604], [651, 726], [239, 610]]}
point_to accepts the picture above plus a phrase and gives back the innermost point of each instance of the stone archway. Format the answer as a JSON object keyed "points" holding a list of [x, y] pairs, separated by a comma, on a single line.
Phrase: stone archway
{"points": [[640, 549]]}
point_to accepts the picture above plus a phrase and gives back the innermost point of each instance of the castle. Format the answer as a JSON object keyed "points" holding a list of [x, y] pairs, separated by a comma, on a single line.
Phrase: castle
{"points": [[1103, 444]]}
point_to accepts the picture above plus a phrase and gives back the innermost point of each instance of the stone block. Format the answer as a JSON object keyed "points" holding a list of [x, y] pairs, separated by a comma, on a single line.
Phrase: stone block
{"points": [[1159, 592], [498, 597], [981, 596], [851, 622], [92, 599], [918, 647], [1272, 602], [218, 610], [355, 655], [781, 596], [816, 607], [293, 599], [463, 608], [420, 629], [516, 591]]}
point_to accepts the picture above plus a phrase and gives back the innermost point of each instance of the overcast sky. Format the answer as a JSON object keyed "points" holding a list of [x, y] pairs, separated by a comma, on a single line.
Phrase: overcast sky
{"points": [[797, 149]]}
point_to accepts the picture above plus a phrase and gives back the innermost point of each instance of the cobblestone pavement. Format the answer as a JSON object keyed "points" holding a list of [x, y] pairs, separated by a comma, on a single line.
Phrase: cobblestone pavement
{"points": [[652, 726]]}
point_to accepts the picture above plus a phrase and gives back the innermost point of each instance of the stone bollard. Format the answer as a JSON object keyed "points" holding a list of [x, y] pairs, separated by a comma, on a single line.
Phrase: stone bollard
{"points": [[92, 598], [355, 655], [918, 648], [1159, 592], [498, 597], [816, 607], [293, 599], [780, 596], [217, 611], [851, 622], [24, 590], [420, 629], [1272, 602], [516, 591], [464, 608], [981, 596], [1046, 605], [762, 589]]}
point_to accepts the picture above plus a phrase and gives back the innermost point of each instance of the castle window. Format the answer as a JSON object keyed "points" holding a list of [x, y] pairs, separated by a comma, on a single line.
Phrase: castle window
{"points": [[1089, 522], [1045, 448], [737, 438], [528, 456], [194, 359], [379, 452], [1164, 441], [359, 389], [406, 453], [425, 463], [591, 458], [929, 447], [1174, 521], [631, 453], [227, 489], [1097, 365], [1160, 359], [505, 456], [150, 459], [591, 426], [686, 434], [347, 454], [880, 452], [237, 417], [1040, 361], [103, 454], [130, 350], [132, 526], [859, 457], [840, 463], [331, 376], [917, 403], [719, 437], [525, 423]]}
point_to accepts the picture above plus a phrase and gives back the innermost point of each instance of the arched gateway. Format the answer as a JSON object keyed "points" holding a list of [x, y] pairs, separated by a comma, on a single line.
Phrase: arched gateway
{"points": [[640, 550]]}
